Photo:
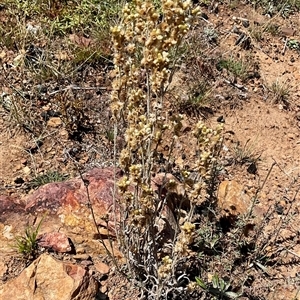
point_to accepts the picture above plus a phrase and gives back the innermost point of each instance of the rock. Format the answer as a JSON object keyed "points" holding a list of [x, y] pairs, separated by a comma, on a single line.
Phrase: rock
{"points": [[64, 209], [86, 263], [2, 54], [49, 279], [10, 205], [33, 29], [82, 256], [69, 199], [221, 119], [102, 268], [64, 134], [103, 289], [6, 232], [166, 183], [186, 127], [71, 194], [232, 199], [54, 122], [291, 136], [285, 31], [80, 250], [55, 241], [26, 170]]}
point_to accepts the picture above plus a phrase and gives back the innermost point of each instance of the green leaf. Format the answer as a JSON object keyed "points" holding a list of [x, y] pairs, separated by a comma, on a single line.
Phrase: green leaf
{"points": [[201, 283], [215, 281]]}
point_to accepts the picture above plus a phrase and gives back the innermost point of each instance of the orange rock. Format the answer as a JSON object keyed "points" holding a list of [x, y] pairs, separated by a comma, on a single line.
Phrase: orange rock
{"points": [[102, 268], [49, 279], [54, 122], [232, 199]]}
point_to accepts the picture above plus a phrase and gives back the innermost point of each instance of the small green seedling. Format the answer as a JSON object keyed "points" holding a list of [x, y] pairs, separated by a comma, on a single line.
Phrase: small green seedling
{"points": [[294, 45], [218, 288]]}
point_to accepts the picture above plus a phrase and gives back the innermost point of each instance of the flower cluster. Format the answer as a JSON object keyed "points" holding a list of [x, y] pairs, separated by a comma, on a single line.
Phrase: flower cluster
{"points": [[185, 238], [165, 267], [208, 142], [142, 46], [143, 43]]}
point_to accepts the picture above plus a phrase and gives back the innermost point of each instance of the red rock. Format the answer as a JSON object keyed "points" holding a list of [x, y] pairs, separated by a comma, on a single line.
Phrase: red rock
{"points": [[52, 196], [56, 241], [9, 205], [72, 194]]}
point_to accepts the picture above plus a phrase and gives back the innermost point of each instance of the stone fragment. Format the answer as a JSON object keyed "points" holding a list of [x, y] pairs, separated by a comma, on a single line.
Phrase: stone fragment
{"points": [[26, 170], [54, 122], [103, 289], [286, 31], [102, 268], [2, 54], [80, 250], [64, 133], [49, 279], [83, 256], [7, 232], [55, 241]]}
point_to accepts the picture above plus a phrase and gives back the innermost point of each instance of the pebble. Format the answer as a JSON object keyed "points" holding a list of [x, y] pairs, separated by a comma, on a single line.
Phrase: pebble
{"points": [[80, 250], [103, 289], [102, 268], [81, 256], [18, 167], [54, 122], [26, 170]]}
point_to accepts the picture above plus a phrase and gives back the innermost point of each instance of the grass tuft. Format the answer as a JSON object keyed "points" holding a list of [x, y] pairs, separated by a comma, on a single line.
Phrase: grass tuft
{"points": [[48, 177], [238, 68], [27, 243], [280, 92]]}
